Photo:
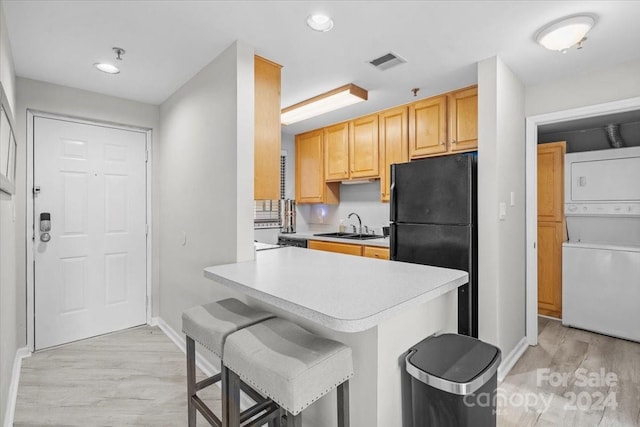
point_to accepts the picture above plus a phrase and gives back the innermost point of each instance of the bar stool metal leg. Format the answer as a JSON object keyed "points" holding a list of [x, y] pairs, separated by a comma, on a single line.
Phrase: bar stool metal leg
{"points": [[275, 422], [224, 374], [233, 398], [343, 404], [294, 420], [191, 381]]}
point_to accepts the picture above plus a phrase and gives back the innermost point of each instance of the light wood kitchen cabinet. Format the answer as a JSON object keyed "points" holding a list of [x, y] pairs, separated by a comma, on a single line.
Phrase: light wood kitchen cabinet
{"points": [[428, 127], [310, 184], [351, 150], [336, 152], [376, 252], [550, 236], [551, 181], [343, 248], [266, 181], [394, 145], [364, 148], [463, 120], [551, 227]]}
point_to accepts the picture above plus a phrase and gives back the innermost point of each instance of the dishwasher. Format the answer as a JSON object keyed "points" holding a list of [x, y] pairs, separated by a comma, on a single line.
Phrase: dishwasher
{"points": [[298, 242]]}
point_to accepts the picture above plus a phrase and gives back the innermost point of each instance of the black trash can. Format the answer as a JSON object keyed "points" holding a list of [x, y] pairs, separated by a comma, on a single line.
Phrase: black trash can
{"points": [[453, 381]]}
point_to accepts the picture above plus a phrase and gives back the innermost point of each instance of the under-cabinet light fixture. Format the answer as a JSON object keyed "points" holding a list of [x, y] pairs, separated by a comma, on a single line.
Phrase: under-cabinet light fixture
{"points": [[564, 33], [328, 101]]}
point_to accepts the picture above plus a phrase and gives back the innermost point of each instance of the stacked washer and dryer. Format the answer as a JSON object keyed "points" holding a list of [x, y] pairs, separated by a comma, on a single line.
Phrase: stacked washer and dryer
{"points": [[601, 259]]}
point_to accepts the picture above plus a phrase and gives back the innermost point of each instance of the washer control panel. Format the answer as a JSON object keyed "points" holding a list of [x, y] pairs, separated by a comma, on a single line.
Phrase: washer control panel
{"points": [[602, 209]]}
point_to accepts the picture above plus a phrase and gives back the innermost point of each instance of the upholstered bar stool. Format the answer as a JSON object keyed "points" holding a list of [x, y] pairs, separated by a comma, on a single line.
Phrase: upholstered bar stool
{"points": [[288, 364], [210, 325]]}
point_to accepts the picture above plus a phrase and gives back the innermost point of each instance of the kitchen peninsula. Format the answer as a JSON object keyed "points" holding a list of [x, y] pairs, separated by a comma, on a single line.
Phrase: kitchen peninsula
{"points": [[378, 308]]}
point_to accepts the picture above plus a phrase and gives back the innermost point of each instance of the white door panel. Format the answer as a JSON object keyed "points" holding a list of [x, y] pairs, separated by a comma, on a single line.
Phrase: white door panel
{"points": [[90, 278]]}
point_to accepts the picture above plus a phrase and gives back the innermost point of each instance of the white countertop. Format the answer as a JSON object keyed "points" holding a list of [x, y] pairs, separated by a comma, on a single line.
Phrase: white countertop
{"points": [[309, 235], [341, 292]]}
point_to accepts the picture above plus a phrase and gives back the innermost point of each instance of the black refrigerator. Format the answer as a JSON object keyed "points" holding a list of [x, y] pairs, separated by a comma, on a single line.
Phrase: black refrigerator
{"points": [[434, 213]]}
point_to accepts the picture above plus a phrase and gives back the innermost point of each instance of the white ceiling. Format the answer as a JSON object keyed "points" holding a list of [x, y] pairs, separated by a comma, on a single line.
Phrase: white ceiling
{"points": [[167, 42]]}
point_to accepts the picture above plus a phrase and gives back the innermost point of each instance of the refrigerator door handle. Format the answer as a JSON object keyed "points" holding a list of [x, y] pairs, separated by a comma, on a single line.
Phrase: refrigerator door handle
{"points": [[394, 201], [392, 242]]}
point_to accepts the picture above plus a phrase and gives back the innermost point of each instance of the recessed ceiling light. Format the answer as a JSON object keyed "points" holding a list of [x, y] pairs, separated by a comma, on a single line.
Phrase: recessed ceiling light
{"points": [[320, 22], [106, 68], [567, 32]]}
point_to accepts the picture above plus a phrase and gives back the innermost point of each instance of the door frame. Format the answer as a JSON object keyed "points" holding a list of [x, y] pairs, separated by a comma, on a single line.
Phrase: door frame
{"points": [[531, 183], [30, 214]]}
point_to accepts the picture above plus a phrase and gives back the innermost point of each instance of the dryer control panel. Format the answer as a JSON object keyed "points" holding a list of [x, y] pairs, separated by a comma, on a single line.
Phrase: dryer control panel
{"points": [[602, 209]]}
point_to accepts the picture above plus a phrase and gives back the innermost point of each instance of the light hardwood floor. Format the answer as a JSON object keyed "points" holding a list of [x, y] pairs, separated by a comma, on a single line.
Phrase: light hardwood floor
{"points": [[137, 377], [576, 354]]}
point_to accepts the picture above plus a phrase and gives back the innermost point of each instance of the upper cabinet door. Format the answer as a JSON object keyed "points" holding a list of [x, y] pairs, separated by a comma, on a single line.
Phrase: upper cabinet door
{"points": [[394, 145], [428, 127], [336, 157], [363, 153], [463, 120], [551, 181], [266, 181], [309, 170]]}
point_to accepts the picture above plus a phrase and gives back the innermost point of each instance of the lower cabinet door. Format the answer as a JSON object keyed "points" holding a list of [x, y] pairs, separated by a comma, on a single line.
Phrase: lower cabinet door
{"points": [[376, 252], [342, 248], [550, 268]]}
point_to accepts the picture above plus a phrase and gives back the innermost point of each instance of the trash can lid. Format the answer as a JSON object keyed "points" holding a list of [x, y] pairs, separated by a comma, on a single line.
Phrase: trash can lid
{"points": [[454, 363]]}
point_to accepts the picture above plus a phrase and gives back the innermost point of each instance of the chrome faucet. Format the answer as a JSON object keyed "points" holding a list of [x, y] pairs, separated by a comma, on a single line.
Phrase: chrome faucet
{"points": [[359, 221]]}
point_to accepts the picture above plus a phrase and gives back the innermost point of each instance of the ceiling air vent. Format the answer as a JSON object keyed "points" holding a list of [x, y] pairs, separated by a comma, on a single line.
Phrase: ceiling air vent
{"points": [[387, 61]]}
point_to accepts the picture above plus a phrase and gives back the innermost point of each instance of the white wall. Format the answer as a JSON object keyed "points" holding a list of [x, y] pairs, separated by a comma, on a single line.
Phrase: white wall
{"points": [[501, 244], [50, 98], [590, 88], [206, 201], [10, 338]]}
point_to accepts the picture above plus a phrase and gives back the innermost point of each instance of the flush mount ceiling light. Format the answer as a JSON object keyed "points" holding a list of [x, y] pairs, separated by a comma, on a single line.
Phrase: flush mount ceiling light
{"points": [[564, 33], [108, 68], [320, 23], [328, 101]]}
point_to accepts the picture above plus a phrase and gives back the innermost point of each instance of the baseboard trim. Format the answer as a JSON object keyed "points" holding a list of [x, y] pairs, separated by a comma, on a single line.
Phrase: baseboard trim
{"points": [[21, 353], [549, 317], [511, 359], [178, 339]]}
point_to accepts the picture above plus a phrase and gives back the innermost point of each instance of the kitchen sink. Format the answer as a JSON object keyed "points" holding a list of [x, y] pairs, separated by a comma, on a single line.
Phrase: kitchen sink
{"points": [[352, 236]]}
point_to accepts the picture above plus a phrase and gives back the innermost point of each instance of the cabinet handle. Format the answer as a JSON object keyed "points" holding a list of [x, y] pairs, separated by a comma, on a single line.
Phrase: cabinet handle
{"points": [[441, 142], [351, 170], [453, 141]]}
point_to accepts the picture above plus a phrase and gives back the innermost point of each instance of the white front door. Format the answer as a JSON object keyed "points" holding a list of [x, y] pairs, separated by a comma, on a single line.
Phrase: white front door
{"points": [[90, 277]]}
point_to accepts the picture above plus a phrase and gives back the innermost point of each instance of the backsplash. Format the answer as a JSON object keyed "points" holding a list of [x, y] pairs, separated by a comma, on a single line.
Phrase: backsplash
{"points": [[363, 199]]}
